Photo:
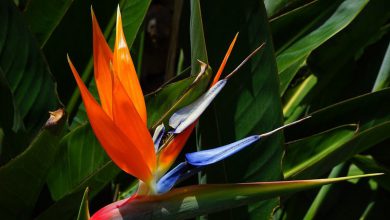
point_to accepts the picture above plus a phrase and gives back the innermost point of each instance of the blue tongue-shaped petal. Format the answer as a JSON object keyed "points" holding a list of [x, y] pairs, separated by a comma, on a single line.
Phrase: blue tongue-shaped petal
{"points": [[196, 160], [207, 157], [169, 179], [183, 118]]}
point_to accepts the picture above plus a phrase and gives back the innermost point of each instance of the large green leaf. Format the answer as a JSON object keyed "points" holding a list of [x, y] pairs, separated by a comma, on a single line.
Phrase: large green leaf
{"points": [[322, 162], [82, 163], [22, 178], [44, 16], [25, 70], [304, 154], [349, 111], [249, 104], [383, 78], [198, 44], [349, 75], [302, 47], [373, 128], [192, 201]]}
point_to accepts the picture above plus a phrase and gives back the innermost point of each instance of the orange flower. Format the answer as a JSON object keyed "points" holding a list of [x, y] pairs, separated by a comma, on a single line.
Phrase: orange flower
{"points": [[119, 122]]}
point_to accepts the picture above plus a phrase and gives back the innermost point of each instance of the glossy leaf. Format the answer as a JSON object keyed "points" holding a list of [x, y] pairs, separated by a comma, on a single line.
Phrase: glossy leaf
{"points": [[81, 162], [189, 202], [360, 142], [305, 153], [249, 104], [198, 44], [295, 98], [302, 47], [349, 75], [345, 112], [383, 78]]}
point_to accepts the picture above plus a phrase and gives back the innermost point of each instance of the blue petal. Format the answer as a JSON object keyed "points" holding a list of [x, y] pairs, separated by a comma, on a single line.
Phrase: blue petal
{"points": [[184, 117], [206, 157], [157, 136], [169, 179]]}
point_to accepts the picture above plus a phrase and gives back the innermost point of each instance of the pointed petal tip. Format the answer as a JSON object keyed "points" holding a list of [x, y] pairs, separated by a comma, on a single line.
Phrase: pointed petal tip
{"points": [[118, 14], [224, 61]]}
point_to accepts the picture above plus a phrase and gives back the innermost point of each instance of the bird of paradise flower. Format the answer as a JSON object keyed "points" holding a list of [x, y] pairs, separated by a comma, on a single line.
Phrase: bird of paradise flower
{"points": [[119, 124]]}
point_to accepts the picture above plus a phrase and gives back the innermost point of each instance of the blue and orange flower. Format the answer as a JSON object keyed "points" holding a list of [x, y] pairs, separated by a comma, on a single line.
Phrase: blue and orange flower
{"points": [[120, 121]]}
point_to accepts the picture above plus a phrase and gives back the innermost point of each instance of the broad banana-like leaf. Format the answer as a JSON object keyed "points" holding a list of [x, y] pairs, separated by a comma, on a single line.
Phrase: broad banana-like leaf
{"points": [[24, 177], [28, 76], [192, 201], [292, 54], [81, 162]]}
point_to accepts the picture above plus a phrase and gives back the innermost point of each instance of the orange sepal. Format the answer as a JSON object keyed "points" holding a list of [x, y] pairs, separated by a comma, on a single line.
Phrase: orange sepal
{"points": [[170, 152], [124, 68], [224, 61], [121, 149], [102, 56], [128, 120]]}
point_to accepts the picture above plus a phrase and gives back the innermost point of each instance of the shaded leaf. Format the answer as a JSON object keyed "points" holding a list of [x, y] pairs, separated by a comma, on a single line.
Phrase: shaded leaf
{"points": [[361, 141], [249, 104], [198, 43], [368, 164], [84, 208], [23, 177], [383, 78], [304, 154], [303, 46], [25, 70], [44, 16], [81, 163], [65, 208], [348, 111]]}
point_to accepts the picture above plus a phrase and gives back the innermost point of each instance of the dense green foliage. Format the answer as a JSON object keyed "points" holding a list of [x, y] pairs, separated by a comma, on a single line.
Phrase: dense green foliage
{"points": [[328, 59]]}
